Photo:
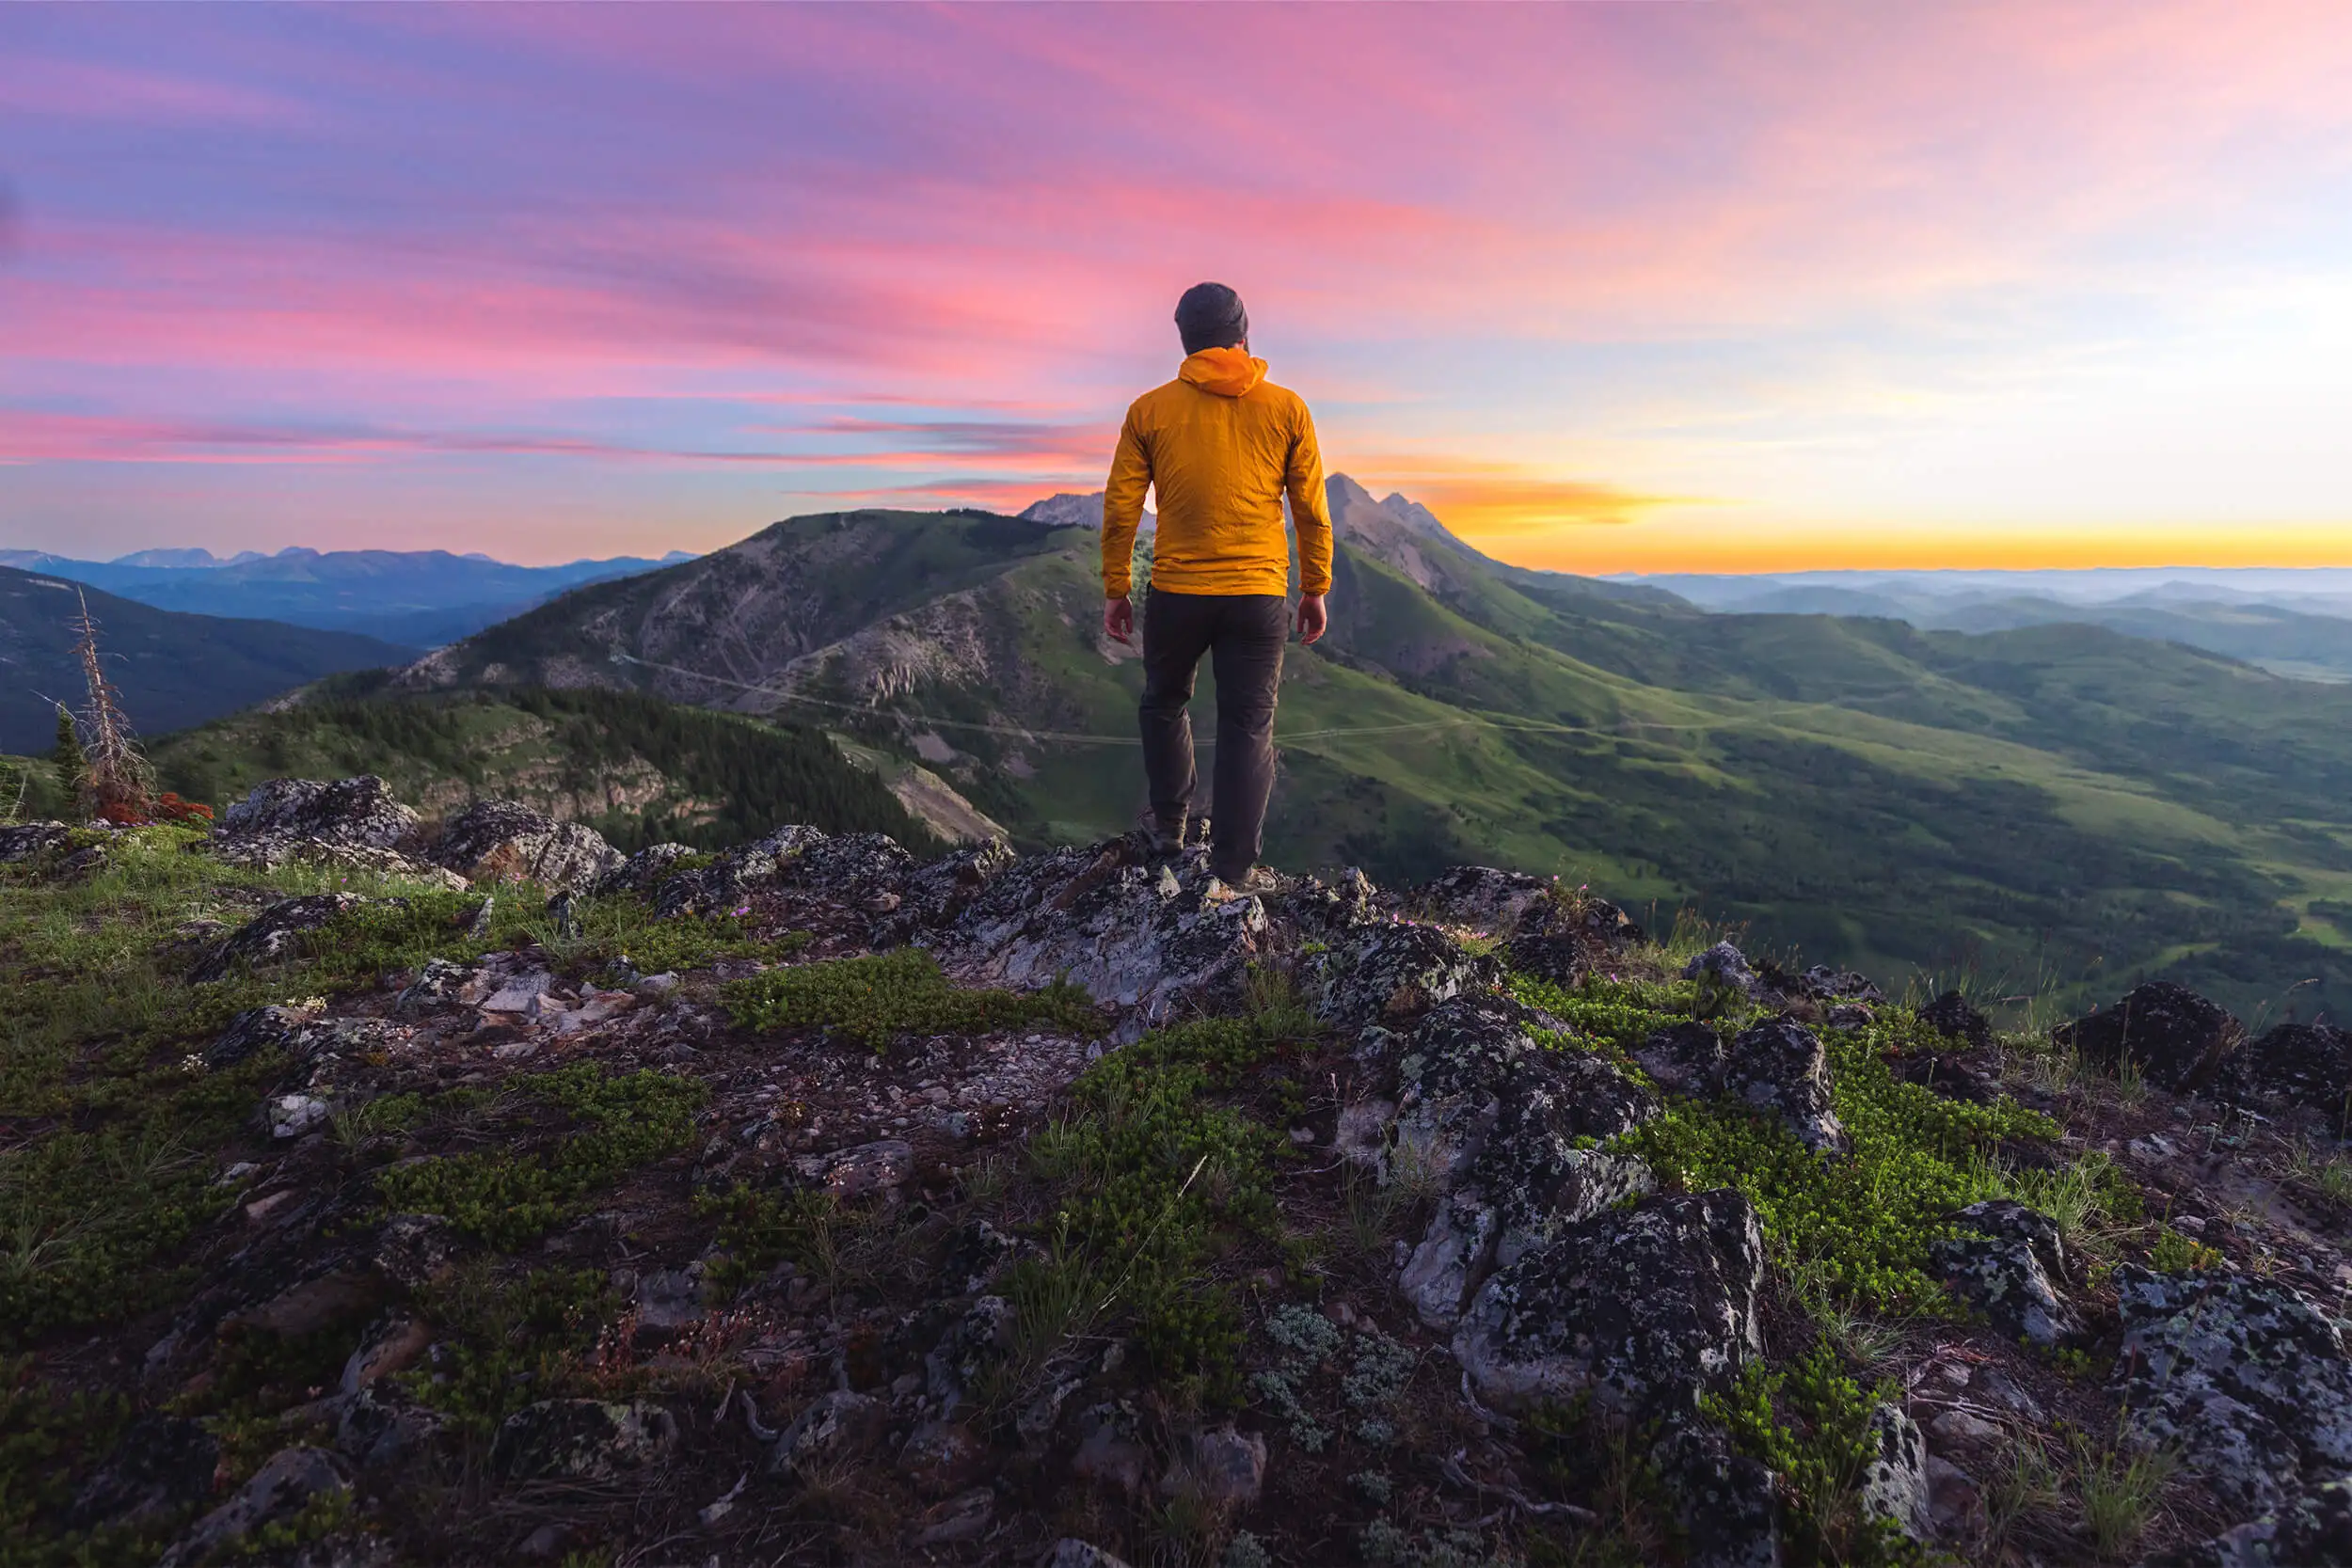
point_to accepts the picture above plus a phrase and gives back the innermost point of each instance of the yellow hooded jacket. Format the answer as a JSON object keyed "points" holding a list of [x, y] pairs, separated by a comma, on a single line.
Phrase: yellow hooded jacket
{"points": [[1222, 445]]}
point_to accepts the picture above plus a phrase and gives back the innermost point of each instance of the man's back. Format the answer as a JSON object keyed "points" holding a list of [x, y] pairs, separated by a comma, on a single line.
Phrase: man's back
{"points": [[1222, 445]]}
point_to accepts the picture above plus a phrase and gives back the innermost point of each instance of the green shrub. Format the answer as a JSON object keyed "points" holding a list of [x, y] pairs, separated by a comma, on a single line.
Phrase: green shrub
{"points": [[1862, 1222], [882, 996], [506, 1197], [1810, 1425], [2174, 1252], [508, 1342]]}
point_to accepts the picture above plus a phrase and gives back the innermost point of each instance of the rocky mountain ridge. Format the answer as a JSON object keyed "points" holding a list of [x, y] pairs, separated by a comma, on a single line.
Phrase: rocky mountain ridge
{"points": [[1069, 1207]]}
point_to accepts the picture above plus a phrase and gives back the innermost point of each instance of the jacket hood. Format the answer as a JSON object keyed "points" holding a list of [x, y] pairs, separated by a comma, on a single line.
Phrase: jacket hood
{"points": [[1229, 372]]}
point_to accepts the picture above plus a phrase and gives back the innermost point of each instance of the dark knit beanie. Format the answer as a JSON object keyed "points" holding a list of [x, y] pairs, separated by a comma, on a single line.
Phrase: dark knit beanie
{"points": [[1210, 316]]}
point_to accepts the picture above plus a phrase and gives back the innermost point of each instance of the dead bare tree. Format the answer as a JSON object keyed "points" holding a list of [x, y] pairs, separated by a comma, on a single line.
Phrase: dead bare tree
{"points": [[116, 784]]}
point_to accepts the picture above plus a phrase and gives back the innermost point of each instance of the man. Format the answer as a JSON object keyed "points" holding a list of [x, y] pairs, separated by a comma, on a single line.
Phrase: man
{"points": [[1222, 445]]}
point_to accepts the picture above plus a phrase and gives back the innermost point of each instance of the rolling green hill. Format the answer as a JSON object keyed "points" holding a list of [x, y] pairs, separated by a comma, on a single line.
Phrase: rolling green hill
{"points": [[2059, 806]]}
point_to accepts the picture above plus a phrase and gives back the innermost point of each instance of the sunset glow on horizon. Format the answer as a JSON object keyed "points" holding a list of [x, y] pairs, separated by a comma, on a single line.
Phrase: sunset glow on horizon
{"points": [[1610, 289]]}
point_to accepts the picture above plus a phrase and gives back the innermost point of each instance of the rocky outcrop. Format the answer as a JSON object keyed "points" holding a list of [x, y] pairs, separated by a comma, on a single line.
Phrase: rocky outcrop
{"points": [[2174, 1037], [2007, 1263], [1391, 975], [501, 841], [271, 934], [1725, 966], [730, 879], [2247, 1379], [162, 1465], [2312, 1531], [1950, 1016], [31, 841], [2294, 1064], [1780, 1067], [1505, 1129], [358, 813], [1143, 935], [1641, 1308]]}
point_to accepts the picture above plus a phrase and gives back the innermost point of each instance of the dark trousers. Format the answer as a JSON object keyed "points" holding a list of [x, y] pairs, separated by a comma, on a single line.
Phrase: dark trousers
{"points": [[1243, 635]]}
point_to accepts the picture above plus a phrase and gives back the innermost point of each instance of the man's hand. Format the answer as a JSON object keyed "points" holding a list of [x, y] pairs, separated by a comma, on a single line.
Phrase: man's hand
{"points": [[1312, 617], [1119, 620]]}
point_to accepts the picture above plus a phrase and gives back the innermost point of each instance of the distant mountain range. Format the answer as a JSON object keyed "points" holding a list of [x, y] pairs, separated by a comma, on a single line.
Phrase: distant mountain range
{"points": [[174, 669], [2290, 622], [416, 598], [2055, 807]]}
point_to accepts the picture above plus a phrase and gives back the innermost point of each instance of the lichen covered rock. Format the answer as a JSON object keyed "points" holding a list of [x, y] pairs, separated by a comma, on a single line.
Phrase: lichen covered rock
{"points": [[2176, 1038], [283, 1486], [358, 812], [1894, 1484], [1642, 1308], [584, 1439], [2312, 1530], [2246, 1378], [30, 840], [1950, 1016], [2007, 1264], [2297, 1064], [1392, 974], [1150, 938], [1779, 1067], [504, 841], [271, 934], [1506, 1128]]}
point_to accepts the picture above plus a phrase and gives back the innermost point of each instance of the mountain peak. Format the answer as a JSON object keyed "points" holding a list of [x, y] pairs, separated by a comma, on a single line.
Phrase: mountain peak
{"points": [[1071, 508]]}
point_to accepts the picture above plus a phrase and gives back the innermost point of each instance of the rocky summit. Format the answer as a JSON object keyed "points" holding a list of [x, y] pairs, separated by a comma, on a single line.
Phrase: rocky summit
{"points": [[379, 1190]]}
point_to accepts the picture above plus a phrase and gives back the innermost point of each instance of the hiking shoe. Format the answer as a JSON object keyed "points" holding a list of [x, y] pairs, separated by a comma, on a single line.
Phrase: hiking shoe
{"points": [[1257, 880], [1158, 839]]}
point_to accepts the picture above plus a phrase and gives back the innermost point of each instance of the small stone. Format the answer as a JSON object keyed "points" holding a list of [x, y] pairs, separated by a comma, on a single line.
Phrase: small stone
{"points": [[392, 1346], [1955, 1503], [837, 1425], [1895, 1479], [963, 1517], [942, 1456], [1960, 1430], [1221, 1466], [1071, 1552]]}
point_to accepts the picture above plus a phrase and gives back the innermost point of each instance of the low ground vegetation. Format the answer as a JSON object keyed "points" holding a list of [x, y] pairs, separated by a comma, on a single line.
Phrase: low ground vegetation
{"points": [[827, 1253]]}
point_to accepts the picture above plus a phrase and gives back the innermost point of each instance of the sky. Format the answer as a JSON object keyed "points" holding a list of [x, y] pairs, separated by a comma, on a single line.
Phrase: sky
{"points": [[1610, 287]]}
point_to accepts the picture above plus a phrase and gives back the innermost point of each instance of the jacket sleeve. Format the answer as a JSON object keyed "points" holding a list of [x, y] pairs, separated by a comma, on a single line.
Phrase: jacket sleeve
{"points": [[1311, 513], [1122, 508]]}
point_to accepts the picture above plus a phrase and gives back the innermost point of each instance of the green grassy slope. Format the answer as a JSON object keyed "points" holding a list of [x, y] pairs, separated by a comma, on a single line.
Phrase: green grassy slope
{"points": [[639, 769]]}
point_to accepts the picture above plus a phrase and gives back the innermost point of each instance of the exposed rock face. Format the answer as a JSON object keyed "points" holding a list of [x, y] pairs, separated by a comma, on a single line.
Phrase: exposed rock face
{"points": [[1480, 897], [2006, 1266], [272, 933], [501, 841], [1819, 984], [1725, 966], [2247, 1379], [1390, 975], [1494, 1119], [1685, 1058], [1950, 1016], [1895, 1480], [642, 872], [1642, 1307], [30, 840], [2177, 1038], [585, 1440], [282, 1486], [2314, 1530], [1729, 1503], [355, 813], [1779, 1067], [722, 886], [1138, 936], [2301, 1064]]}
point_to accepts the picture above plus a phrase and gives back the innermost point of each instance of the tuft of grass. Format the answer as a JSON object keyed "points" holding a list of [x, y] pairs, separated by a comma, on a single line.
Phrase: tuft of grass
{"points": [[884, 996], [2121, 1487]]}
